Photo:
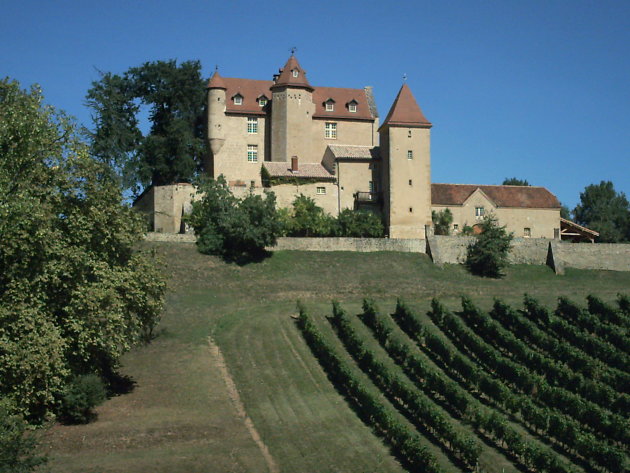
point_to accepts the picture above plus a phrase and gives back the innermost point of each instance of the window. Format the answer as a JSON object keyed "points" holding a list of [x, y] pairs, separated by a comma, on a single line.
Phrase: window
{"points": [[331, 130], [352, 106], [252, 125], [262, 101], [238, 99], [371, 186], [295, 72], [252, 153], [527, 232], [409, 154], [409, 134], [410, 210], [410, 182], [455, 227], [321, 190], [330, 106], [479, 212]]}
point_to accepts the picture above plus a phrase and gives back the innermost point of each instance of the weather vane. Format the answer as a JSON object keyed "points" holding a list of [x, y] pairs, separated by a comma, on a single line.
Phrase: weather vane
{"points": [[293, 49], [405, 77], [216, 68]]}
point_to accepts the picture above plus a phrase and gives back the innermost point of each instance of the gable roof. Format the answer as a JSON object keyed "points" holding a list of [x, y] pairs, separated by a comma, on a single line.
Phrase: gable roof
{"points": [[531, 197], [405, 111], [285, 78], [342, 96], [354, 152]]}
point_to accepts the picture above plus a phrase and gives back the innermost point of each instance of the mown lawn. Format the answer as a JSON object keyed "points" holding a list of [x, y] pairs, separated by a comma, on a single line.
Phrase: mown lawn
{"points": [[179, 417]]}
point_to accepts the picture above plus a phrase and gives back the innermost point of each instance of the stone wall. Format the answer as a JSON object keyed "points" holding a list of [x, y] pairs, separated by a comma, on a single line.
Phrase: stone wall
{"points": [[351, 244], [611, 256]]}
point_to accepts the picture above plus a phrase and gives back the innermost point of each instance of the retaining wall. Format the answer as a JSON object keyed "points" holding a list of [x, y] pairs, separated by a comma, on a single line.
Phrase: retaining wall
{"points": [[351, 244], [611, 256]]}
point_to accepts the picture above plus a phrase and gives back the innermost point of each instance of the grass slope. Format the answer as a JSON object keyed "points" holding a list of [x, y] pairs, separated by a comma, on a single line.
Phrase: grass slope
{"points": [[179, 418]]}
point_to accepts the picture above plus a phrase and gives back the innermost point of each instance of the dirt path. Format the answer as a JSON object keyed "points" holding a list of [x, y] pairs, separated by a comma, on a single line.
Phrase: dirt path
{"points": [[240, 408]]}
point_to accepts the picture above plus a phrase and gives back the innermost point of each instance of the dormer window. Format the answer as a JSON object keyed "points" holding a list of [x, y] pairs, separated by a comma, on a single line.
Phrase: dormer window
{"points": [[238, 99], [352, 106], [295, 72], [330, 105], [262, 100]]}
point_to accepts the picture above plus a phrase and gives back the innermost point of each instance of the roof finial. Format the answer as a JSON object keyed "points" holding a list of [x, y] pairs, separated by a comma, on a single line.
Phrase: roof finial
{"points": [[293, 50], [216, 68], [405, 77]]}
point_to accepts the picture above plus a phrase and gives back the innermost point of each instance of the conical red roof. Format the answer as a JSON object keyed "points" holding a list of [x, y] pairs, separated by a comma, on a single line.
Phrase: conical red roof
{"points": [[216, 81], [287, 76], [405, 111]]}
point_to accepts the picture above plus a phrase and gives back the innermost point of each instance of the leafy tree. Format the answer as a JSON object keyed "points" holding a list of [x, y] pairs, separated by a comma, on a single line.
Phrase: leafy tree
{"points": [[173, 150], [18, 446], [82, 395], [488, 254], [565, 212], [359, 223], [237, 229], [309, 219], [604, 210], [514, 181], [442, 221], [74, 294]]}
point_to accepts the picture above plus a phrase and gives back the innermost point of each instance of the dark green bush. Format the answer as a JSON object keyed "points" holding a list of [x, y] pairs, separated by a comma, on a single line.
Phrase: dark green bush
{"points": [[442, 221], [83, 394], [17, 444]]}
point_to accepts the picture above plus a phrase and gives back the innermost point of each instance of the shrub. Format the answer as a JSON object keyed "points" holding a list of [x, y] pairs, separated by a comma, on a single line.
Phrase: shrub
{"points": [[83, 394], [309, 219], [488, 254], [359, 223], [442, 221]]}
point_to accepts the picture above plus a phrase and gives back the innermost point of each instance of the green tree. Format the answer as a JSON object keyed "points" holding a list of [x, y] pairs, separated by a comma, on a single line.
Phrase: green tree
{"points": [[74, 293], [173, 150], [442, 221], [565, 212], [604, 210], [487, 255], [514, 181], [359, 223], [236, 229]]}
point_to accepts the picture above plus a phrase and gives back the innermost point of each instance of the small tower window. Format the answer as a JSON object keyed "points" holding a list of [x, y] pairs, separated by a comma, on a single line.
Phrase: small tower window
{"points": [[409, 154], [238, 99], [409, 134], [410, 182], [295, 73]]}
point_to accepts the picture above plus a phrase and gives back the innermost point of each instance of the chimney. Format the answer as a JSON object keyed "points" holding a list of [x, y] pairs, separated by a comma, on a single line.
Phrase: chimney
{"points": [[294, 164]]}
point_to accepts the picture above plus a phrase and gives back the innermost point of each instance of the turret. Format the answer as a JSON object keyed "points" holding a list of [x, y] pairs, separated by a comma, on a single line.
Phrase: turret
{"points": [[292, 112], [405, 138], [216, 113]]}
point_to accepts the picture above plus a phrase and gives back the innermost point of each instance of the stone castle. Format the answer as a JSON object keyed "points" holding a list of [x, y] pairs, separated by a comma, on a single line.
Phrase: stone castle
{"points": [[327, 143]]}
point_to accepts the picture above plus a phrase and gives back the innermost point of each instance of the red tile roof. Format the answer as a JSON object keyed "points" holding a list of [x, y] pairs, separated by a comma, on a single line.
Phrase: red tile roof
{"points": [[405, 111], [250, 90], [530, 197], [285, 78], [305, 170], [342, 97]]}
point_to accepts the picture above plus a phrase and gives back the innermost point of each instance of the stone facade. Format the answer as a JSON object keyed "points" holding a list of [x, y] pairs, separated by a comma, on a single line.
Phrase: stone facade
{"points": [[327, 143]]}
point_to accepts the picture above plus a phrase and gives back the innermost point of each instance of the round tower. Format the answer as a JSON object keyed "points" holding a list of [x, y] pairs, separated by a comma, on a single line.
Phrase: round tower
{"points": [[216, 117]]}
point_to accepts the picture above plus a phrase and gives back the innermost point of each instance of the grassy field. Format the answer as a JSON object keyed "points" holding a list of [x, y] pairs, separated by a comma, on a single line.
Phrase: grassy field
{"points": [[181, 416]]}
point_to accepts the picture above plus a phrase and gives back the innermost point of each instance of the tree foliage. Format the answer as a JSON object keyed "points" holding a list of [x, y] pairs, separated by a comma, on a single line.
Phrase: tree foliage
{"points": [[309, 219], [18, 445], [514, 181], [359, 223], [173, 149], [604, 210], [442, 221], [74, 294], [234, 228], [488, 254]]}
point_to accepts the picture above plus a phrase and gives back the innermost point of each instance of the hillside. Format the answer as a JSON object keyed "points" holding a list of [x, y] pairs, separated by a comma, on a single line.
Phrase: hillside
{"points": [[182, 415]]}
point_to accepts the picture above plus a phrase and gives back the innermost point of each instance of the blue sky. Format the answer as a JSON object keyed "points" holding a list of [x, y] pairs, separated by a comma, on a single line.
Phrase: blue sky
{"points": [[538, 90]]}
